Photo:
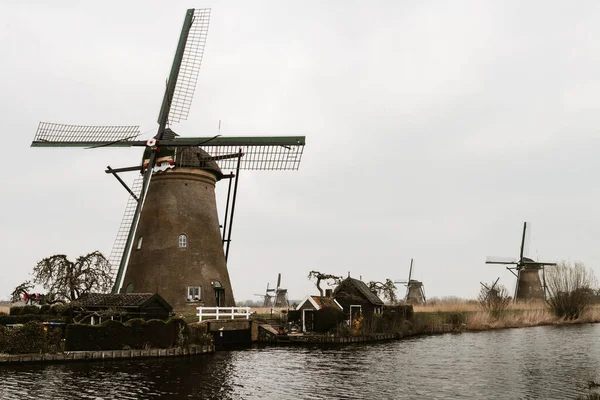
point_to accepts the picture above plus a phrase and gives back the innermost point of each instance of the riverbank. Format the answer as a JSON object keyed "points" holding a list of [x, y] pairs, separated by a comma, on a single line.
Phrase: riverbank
{"points": [[446, 317], [468, 316], [106, 355]]}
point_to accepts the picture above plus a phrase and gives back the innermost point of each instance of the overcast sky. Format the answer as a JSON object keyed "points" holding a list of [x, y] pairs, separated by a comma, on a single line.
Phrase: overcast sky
{"points": [[434, 129]]}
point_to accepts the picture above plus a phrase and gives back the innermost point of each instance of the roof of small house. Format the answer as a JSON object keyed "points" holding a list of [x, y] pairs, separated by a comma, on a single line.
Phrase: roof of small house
{"points": [[362, 288], [319, 302], [120, 300]]}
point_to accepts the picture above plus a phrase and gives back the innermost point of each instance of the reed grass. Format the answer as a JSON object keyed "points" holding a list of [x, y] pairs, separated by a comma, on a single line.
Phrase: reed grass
{"points": [[460, 305], [444, 316]]}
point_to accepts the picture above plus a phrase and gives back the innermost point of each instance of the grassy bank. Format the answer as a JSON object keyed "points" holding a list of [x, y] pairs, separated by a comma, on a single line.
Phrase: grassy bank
{"points": [[468, 316]]}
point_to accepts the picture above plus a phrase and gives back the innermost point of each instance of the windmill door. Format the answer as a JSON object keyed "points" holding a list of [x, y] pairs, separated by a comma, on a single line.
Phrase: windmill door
{"points": [[220, 296], [219, 293]]}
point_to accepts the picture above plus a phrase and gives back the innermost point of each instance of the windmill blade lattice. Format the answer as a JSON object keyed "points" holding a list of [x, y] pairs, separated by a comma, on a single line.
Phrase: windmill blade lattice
{"points": [[526, 239], [50, 134], [120, 241], [258, 153], [190, 66]]}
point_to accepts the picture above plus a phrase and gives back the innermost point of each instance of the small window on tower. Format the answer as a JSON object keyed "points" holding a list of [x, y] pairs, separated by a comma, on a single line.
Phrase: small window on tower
{"points": [[193, 293], [182, 241], [139, 244]]}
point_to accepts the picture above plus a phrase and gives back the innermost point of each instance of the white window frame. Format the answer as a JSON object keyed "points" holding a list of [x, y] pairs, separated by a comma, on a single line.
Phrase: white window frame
{"points": [[190, 297], [182, 242]]}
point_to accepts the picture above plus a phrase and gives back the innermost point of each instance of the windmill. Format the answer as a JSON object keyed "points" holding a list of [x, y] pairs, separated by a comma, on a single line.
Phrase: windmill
{"points": [[490, 291], [528, 285], [415, 292], [281, 299], [170, 240], [267, 297]]}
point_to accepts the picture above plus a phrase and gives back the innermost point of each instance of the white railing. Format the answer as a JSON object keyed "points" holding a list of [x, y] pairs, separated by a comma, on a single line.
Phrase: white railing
{"points": [[223, 312]]}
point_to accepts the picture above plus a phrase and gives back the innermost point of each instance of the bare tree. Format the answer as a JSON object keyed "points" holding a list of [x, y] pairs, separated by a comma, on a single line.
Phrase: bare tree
{"points": [[67, 280], [319, 276], [21, 292], [571, 289], [387, 289], [494, 299]]}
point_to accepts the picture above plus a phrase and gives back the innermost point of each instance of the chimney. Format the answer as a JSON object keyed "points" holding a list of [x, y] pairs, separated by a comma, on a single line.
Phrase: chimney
{"points": [[328, 292]]}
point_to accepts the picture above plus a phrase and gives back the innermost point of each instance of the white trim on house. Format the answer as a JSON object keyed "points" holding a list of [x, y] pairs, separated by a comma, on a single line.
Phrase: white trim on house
{"points": [[314, 303], [311, 300], [339, 305]]}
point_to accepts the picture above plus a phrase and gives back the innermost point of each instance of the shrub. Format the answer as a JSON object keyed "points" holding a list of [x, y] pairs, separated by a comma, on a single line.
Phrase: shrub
{"points": [[60, 309], [198, 334], [3, 331], [156, 334], [16, 310], [30, 310], [393, 318], [45, 309], [135, 334], [81, 337], [113, 335], [570, 289], [178, 331], [22, 319], [136, 326], [29, 338], [494, 299]]}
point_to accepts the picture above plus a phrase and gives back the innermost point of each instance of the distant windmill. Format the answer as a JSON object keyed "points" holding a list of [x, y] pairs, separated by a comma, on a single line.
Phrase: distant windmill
{"points": [[528, 285], [267, 297], [281, 299], [490, 291], [415, 292]]}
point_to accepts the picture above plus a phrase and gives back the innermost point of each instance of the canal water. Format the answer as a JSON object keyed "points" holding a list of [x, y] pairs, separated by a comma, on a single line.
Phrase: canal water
{"points": [[531, 363]]}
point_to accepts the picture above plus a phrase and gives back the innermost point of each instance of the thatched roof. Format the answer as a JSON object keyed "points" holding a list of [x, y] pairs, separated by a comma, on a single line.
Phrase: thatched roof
{"points": [[362, 288]]}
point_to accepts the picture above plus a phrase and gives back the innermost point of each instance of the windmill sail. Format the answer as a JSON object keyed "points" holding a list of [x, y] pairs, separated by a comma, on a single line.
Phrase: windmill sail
{"points": [[259, 153], [190, 66], [50, 134], [500, 260], [119, 245], [526, 239]]}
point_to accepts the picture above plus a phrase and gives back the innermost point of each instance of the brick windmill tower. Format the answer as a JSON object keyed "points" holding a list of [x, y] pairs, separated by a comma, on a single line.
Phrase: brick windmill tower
{"points": [[529, 286], [170, 240], [415, 291]]}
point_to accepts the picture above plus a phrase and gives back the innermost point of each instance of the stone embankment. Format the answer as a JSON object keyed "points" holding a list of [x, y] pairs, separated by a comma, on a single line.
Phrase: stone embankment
{"points": [[103, 355]]}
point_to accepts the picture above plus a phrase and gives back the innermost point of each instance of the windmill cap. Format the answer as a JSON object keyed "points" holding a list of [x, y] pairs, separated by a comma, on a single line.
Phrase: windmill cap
{"points": [[195, 157], [188, 157]]}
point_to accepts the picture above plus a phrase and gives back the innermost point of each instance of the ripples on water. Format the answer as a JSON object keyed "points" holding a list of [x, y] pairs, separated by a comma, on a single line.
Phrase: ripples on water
{"points": [[533, 363]]}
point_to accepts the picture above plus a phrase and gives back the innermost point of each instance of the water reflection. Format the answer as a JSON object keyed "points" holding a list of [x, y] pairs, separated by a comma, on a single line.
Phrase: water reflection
{"points": [[535, 363]]}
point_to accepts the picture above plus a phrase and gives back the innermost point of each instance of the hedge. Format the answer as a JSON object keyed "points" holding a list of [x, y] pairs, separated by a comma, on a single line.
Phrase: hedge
{"points": [[29, 338], [22, 319], [64, 310], [134, 334]]}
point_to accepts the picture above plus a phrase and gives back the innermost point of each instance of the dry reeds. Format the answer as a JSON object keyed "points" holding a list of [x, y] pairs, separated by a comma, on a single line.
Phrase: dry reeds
{"points": [[434, 317], [460, 305]]}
